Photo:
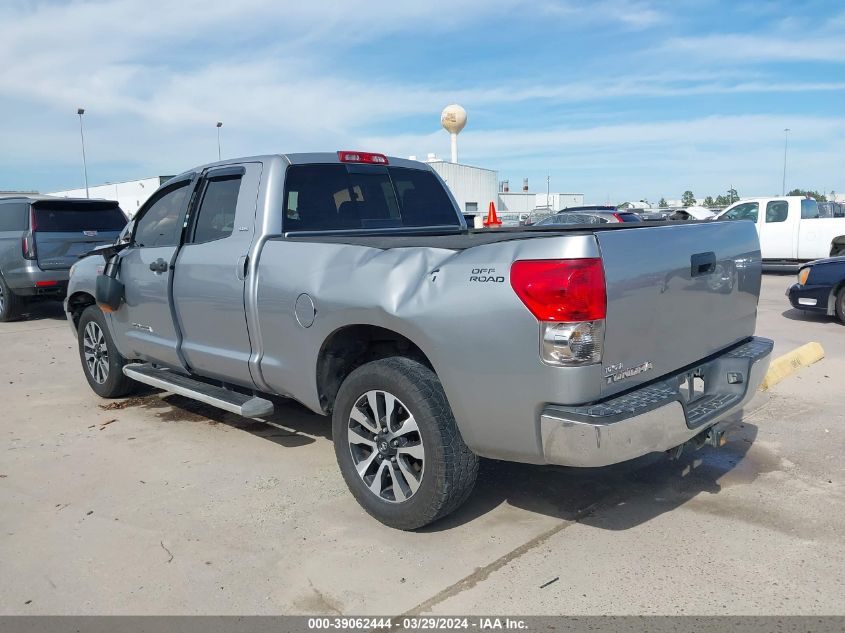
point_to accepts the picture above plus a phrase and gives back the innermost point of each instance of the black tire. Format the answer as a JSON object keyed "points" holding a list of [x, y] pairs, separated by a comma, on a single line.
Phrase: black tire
{"points": [[450, 467], [104, 371], [840, 305], [11, 305]]}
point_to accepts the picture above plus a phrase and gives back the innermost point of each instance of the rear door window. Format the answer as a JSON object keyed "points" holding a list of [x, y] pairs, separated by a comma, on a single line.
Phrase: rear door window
{"points": [[352, 196], [66, 217]]}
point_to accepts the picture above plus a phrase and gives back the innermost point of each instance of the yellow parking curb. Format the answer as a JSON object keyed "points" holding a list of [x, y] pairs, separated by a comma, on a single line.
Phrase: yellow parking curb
{"points": [[791, 362]]}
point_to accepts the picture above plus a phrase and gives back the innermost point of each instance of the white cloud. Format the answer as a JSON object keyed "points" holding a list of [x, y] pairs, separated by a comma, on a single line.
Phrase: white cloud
{"points": [[747, 48], [155, 77], [708, 154]]}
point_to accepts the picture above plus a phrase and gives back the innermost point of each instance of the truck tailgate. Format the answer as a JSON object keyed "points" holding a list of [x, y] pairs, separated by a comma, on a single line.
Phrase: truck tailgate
{"points": [[65, 229], [60, 250], [676, 294]]}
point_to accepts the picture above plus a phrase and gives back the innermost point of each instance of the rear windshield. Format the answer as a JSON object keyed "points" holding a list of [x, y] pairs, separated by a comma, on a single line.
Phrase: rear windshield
{"points": [[629, 217], [63, 217], [336, 197]]}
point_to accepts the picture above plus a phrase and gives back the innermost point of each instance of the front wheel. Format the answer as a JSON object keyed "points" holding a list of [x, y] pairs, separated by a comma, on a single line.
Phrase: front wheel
{"points": [[101, 362], [397, 444], [840, 305]]}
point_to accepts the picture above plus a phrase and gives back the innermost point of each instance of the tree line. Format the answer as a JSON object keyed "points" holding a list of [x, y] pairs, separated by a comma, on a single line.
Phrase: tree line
{"points": [[689, 199]]}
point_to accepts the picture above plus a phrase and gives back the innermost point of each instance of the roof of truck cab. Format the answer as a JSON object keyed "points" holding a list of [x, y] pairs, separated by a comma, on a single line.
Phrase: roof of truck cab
{"points": [[298, 158], [332, 157]]}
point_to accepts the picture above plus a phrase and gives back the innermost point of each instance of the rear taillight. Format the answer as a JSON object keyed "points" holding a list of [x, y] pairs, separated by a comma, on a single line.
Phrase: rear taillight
{"points": [[28, 239], [28, 245], [568, 297], [618, 217], [561, 289]]}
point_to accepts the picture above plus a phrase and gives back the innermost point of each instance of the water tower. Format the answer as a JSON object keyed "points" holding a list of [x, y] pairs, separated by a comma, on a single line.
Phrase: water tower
{"points": [[453, 119]]}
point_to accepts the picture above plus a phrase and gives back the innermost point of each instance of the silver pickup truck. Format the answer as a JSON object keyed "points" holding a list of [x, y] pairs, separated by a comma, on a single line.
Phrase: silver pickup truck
{"points": [[349, 282]]}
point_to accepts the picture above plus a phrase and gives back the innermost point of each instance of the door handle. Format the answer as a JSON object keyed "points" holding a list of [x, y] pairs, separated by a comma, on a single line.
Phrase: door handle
{"points": [[158, 266]]}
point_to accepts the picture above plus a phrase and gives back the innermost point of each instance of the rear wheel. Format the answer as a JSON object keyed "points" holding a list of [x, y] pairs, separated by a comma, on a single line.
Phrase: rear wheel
{"points": [[11, 305], [840, 305], [101, 362], [398, 446]]}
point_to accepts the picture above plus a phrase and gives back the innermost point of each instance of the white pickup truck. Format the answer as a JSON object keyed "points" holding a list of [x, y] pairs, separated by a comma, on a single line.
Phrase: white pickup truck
{"points": [[790, 229]]}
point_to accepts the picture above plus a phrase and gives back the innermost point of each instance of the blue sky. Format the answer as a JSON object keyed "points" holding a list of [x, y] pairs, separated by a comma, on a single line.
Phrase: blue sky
{"points": [[619, 99]]}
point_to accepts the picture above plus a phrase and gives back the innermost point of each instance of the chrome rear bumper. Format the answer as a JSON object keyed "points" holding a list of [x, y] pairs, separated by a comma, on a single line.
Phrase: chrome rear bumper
{"points": [[656, 417]]}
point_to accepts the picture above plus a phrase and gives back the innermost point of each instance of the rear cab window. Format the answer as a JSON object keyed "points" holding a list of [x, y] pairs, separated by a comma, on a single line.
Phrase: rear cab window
{"points": [[70, 217], [330, 197]]}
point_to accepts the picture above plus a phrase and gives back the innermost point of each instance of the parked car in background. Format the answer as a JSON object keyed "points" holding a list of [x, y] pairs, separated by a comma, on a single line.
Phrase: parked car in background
{"points": [[831, 210], [535, 215], [599, 215], [791, 229], [653, 215], [569, 218], [692, 213], [820, 288], [350, 283], [41, 237]]}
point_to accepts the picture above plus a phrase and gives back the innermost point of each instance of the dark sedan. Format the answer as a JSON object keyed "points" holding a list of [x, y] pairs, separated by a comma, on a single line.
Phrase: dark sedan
{"points": [[820, 288]]}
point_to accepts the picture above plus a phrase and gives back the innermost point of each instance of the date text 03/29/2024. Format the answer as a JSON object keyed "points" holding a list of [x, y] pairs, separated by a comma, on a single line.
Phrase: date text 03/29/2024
{"points": [[417, 623]]}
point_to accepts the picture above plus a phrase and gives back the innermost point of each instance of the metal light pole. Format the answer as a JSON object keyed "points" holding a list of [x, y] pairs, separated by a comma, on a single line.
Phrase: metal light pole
{"points": [[80, 112], [785, 145], [219, 125]]}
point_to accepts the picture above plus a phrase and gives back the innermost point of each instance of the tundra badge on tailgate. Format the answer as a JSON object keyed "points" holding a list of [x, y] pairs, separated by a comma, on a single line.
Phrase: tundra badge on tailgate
{"points": [[616, 372]]}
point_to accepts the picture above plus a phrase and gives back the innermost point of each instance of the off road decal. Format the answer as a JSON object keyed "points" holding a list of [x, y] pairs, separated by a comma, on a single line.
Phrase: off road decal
{"points": [[485, 275]]}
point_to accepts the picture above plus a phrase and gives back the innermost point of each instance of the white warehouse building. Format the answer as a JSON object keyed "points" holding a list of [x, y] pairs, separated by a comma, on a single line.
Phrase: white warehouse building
{"points": [[474, 188], [130, 194], [525, 202]]}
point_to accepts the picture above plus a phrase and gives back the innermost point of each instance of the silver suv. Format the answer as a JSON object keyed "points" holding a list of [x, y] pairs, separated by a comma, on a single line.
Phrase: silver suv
{"points": [[40, 239]]}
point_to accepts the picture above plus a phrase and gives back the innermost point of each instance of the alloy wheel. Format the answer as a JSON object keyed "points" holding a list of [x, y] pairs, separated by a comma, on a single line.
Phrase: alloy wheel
{"points": [[96, 352], [386, 446]]}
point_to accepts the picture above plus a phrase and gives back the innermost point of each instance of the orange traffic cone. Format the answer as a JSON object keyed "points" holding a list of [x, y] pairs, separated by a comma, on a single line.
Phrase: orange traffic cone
{"points": [[492, 218]]}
